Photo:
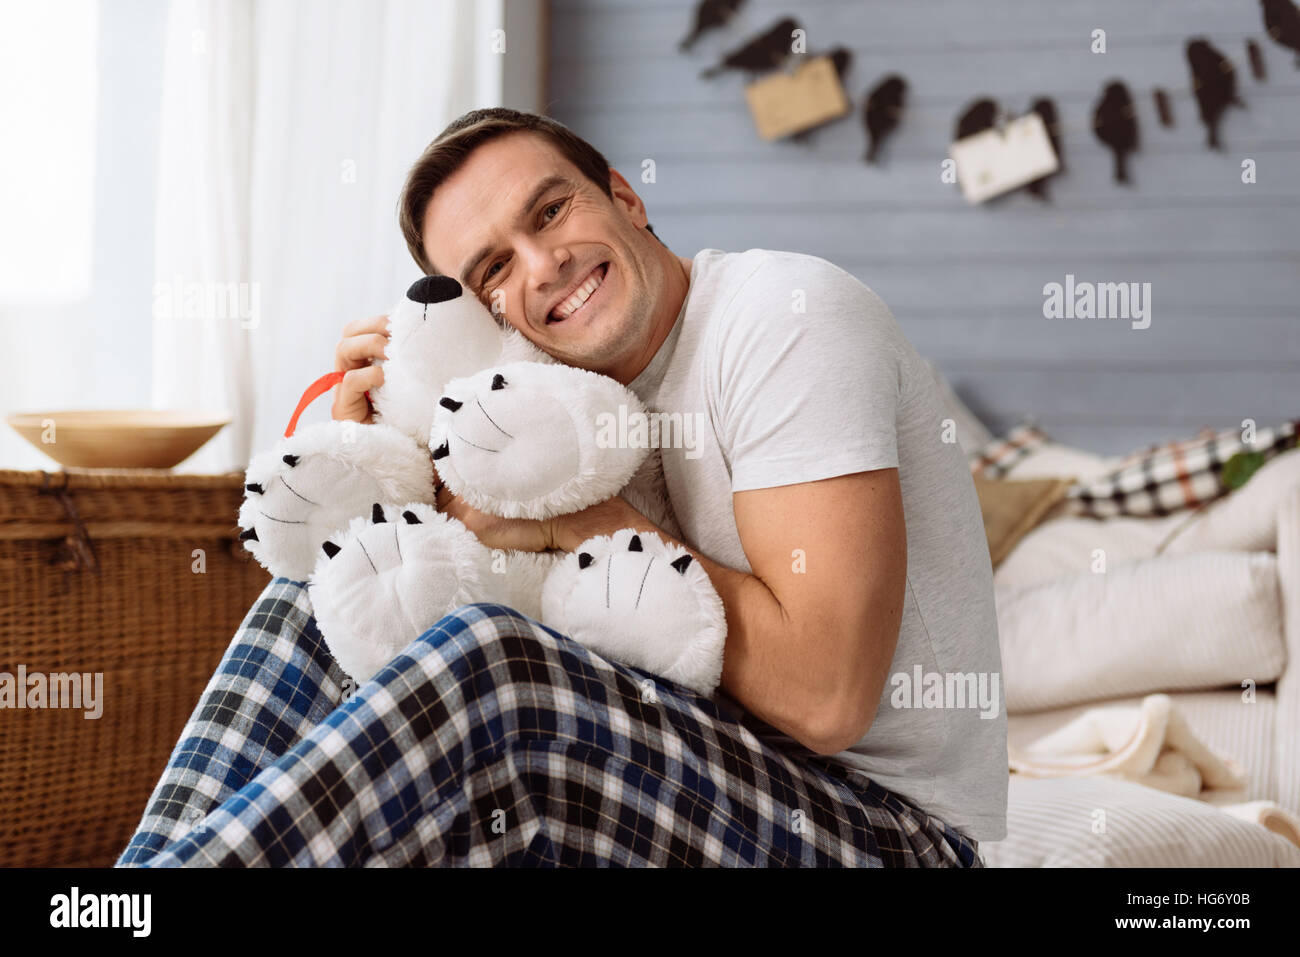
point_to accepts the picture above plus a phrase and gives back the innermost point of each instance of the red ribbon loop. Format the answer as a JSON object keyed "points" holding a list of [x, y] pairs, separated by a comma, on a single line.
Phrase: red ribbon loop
{"points": [[314, 392]]}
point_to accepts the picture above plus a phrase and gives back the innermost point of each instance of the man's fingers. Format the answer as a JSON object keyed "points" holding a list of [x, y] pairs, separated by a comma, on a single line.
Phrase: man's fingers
{"points": [[359, 327], [361, 381], [350, 401], [355, 351]]}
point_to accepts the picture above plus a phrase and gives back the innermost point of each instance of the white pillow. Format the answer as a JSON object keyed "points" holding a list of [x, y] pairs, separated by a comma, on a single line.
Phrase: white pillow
{"points": [[1054, 460], [1246, 519], [1069, 544], [1098, 822], [1175, 622]]}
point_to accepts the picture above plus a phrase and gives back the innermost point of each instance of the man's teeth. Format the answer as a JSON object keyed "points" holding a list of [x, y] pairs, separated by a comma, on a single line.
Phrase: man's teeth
{"points": [[580, 295]]}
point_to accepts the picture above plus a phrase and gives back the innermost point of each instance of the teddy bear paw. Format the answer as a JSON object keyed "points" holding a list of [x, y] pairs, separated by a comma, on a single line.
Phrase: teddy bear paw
{"points": [[311, 485], [388, 578], [528, 440], [633, 598]]}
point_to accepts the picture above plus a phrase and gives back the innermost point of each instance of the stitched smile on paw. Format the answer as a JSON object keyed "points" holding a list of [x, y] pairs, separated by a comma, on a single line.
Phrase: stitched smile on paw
{"points": [[508, 440], [293, 507]]}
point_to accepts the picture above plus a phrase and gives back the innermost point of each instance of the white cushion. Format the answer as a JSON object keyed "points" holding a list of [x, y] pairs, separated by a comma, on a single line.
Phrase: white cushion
{"points": [[1054, 460], [1069, 544], [1161, 624], [1246, 519]]}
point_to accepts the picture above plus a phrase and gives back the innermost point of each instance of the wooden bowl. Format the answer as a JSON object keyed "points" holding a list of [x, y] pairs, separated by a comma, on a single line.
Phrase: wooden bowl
{"points": [[118, 439]]}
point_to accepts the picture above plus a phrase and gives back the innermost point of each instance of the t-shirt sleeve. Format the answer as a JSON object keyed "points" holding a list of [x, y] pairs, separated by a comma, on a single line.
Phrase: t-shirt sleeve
{"points": [[806, 394]]}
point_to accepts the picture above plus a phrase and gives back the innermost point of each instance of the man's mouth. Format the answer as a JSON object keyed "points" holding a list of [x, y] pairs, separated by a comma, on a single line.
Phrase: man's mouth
{"points": [[578, 299]]}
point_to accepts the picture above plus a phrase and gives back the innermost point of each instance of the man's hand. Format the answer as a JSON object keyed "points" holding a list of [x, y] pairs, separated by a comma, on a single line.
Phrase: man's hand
{"points": [[522, 534], [363, 341]]}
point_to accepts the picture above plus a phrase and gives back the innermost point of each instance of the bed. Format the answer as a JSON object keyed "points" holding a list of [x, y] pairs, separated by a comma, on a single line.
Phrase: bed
{"points": [[1195, 613]]}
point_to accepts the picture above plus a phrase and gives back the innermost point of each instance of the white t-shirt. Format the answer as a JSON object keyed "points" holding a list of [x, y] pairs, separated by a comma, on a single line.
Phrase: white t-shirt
{"points": [[794, 371]]}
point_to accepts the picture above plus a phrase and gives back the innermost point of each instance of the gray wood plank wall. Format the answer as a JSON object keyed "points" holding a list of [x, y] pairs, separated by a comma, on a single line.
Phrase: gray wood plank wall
{"points": [[966, 283]]}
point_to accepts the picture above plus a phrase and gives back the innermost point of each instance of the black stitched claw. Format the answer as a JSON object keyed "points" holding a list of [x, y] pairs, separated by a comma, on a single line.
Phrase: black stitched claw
{"points": [[410, 517], [254, 487], [584, 559], [377, 514], [498, 382], [249, 535], [330, 549], [450, 404], [290, 460], [635, 544], [441, 452], [681, 563]]}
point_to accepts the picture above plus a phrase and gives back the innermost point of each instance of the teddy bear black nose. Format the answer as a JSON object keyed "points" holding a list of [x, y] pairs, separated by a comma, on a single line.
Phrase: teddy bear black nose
{"points": [[431, 289], [448, 403]]}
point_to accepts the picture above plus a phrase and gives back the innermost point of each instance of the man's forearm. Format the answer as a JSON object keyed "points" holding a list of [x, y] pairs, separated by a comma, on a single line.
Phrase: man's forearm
{"points": [[766, 667]]}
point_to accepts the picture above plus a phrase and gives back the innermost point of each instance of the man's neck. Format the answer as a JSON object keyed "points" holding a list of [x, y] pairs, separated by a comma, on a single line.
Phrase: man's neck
{"points": [[677, 283]]}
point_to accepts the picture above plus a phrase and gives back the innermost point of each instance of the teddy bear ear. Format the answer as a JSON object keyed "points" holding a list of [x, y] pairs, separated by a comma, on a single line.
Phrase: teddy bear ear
{"points": [[428, 290]]}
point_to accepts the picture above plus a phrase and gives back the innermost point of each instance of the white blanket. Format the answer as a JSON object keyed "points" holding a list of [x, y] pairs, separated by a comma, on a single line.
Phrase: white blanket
{"points": [[1150, 744]]}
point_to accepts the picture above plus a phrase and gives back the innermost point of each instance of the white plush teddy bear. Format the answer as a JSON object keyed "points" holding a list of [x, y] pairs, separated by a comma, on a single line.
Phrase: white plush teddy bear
{"points": [[349, 507]]}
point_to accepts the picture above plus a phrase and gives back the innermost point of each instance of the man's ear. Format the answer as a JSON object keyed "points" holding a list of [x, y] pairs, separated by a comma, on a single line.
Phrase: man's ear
{"points": [[625, 198]]}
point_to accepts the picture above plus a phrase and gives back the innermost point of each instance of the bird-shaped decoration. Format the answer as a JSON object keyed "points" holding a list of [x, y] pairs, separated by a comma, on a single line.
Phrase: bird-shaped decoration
{"points": [[709, 15], [1046, 109], [767, 51], [1214, 81], [1114, 121], [980, 115], [882, 112], [1282, 21]]}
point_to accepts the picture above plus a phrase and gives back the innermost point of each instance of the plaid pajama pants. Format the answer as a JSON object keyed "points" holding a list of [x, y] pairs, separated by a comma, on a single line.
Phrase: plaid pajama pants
{"points": [[492, 740]]}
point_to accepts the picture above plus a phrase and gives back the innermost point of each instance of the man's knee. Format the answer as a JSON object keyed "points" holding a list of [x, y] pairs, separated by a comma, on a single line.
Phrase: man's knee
{"points": [[491, 649]]}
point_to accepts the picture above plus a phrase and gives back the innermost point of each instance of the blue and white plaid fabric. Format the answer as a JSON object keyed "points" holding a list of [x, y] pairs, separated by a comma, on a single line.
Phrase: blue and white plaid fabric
{"points": [[491, 740]]}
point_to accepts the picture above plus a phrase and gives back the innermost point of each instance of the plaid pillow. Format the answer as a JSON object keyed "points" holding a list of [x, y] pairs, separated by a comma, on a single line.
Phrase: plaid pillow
{"points": [[1176, 475], [997, 458]]}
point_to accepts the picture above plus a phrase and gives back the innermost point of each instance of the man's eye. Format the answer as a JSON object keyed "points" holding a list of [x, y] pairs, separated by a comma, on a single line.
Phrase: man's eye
{"points": [[556, 205], [488, 274]]}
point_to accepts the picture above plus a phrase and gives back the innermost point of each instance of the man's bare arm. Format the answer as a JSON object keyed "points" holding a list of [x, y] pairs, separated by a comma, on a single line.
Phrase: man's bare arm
{"points": [[811, 633]]}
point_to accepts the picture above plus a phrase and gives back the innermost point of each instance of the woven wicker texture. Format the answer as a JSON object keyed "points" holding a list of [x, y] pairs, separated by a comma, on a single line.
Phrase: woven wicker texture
{"points": [[97, 574]]}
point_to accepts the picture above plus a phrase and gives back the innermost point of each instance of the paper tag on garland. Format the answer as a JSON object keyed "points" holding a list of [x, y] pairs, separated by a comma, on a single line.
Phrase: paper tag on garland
{"points": [[996, 161], [786, 103]]}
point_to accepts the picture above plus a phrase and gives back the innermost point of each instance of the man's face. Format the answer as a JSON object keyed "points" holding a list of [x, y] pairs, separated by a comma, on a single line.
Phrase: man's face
{"points": [[540, 242]]}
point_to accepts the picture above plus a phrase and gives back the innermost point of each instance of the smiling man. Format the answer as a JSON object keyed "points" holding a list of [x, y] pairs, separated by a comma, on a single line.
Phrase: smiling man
{"points": [[841, 531], [839, 527]]}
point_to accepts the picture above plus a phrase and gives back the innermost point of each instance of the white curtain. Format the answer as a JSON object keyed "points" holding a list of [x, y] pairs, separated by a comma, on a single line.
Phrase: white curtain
{"points": [[288, 127]]}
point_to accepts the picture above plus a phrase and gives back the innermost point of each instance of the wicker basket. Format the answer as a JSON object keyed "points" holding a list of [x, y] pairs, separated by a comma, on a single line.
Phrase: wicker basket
{"points": [[99, 573]]}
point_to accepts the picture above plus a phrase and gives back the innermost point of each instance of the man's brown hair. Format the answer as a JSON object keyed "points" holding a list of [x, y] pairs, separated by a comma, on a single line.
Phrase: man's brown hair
{"points": [[448, 152]]}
